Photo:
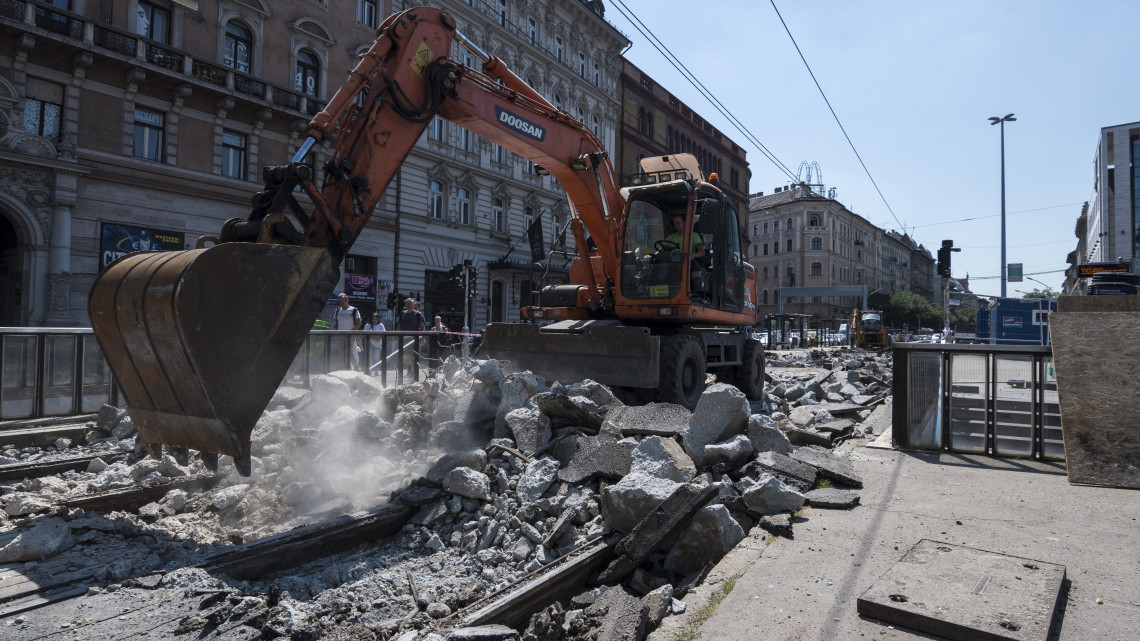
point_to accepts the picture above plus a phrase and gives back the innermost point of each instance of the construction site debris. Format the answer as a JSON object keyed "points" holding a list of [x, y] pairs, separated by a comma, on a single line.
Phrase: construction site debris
{"points": [[487, 478]]}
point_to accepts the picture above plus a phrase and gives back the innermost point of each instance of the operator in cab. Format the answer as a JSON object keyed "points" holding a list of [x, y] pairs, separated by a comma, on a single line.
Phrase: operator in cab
{"points": [[677, 238]]}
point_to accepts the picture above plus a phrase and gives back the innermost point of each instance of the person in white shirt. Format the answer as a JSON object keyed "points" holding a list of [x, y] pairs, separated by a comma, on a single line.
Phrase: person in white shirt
{"points": [[348, 318]]}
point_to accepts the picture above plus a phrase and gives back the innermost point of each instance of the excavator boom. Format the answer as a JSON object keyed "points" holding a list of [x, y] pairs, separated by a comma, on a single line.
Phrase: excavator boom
{"points": [[200, 339]]}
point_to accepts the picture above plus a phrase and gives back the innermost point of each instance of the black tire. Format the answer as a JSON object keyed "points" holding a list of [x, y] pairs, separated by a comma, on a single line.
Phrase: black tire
{"points": [[682, 371], [749, 376]]}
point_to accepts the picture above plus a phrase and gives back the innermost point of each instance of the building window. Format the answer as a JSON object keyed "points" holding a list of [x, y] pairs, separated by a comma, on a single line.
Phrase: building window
{"points": [[502, 13], [148, 134], [43, 108], [435, 200], [859, 255], [595, 126], [813, 222], [789, 244], [435, 129], [366, 12], [776, 273], [765, 249], [765, 229], [582, 65], [765, 297], [153, 22], [817, 269], [558, 48], [790, 224], [532, 31], [776, 247], [597, 75], [464, 141], [528, 218], [776, 226], [756, 229], [765, 273], [496, 153], [233, 154], [464, 209], [239, 48], [308, 73], [498, 215], [816, 242]]}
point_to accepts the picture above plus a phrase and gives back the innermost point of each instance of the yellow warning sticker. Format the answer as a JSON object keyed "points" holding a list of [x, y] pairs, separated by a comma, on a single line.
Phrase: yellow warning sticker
{"points": [[422, 58], [659, 291]]}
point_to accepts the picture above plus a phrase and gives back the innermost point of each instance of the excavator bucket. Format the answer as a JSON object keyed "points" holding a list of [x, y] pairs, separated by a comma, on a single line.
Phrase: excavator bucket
{"points": [[199, 340]]}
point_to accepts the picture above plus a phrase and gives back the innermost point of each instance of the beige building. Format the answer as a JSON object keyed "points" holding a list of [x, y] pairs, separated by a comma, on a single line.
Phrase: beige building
{"points": [[803, 239], [144, 125]]}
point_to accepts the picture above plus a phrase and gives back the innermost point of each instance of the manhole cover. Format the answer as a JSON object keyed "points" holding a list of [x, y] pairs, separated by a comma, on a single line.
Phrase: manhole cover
{"points": [[966, 594]]}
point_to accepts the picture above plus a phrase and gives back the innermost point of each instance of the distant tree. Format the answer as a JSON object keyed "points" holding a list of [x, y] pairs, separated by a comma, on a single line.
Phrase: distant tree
{"points": [[1041, 293]]}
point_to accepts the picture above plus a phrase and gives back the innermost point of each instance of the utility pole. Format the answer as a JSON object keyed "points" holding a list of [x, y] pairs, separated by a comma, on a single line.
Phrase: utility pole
{"points": [[467, 268]]}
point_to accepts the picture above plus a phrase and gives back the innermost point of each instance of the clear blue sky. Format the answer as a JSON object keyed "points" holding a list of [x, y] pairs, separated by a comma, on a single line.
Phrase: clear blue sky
{"points": [[913, 83]]}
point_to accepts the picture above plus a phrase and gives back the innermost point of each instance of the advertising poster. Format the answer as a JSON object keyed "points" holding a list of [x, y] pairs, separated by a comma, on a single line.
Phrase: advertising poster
{"points": [[360, 288], [1011, 321], [384, 288], [119, 240]]}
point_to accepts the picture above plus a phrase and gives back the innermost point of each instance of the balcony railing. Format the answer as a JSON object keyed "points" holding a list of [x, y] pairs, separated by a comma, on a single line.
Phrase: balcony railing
{"points": [[999, 400], [62, 372], [46, 17]]}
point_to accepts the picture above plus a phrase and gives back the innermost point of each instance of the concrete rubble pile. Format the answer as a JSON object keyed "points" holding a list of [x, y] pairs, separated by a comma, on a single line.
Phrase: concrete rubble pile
{"points": [[503, 474]]}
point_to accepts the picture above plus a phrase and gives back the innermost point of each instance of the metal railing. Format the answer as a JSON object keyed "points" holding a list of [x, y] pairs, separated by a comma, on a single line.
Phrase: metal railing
{"points": [[998, 400], [50, 371]]}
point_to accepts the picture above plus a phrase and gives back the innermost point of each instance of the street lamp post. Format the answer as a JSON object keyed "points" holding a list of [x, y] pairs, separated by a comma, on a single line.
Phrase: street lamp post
{"points": [[994, 120], [1048, 289]]}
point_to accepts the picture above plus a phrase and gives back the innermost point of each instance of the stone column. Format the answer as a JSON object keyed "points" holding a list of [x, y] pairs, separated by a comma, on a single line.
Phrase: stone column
{"points": [[57, 302]]}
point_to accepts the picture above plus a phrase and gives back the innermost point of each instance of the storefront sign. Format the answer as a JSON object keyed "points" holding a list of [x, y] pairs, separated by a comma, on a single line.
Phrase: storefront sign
{"points": [[119, 240]]}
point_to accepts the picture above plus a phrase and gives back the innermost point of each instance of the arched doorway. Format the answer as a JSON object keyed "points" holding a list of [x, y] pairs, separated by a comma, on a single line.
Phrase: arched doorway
{"points": [[11, 287]]}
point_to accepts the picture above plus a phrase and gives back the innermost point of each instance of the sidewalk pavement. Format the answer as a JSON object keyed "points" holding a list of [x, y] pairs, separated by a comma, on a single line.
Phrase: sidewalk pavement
{"points": [[807, 588]]}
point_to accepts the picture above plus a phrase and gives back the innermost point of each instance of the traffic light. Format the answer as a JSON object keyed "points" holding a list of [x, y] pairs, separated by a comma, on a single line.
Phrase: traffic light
{"points": [[472, 280], [944, 257]]}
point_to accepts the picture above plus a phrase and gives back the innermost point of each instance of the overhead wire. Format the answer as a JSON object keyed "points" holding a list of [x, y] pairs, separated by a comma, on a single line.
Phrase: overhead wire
{"points": [[833, 115], [672, 59]]}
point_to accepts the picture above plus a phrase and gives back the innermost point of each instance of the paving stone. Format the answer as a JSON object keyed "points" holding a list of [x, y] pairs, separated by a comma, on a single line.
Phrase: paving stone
{"points": [[623, 616], [628, 501], [832, 499], [721, 413], [663, 458], [770, 495], [731, 453], [835, 427], [536, 479], [598, 456], [778, 524], [766, 436], [830, 466], [787, 469], [469, 483], [564, 410], [712, 532], [530, 429], [660, 524], [809, 437], [484, 633], [657, 419]]}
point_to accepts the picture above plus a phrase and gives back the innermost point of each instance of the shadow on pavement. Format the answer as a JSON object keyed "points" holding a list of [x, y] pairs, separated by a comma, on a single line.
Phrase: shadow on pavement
{"points": [[989, 462]]}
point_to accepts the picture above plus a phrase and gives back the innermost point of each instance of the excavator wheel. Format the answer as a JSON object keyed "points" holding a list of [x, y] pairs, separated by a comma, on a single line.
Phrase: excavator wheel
{"points": [[682, 371], [749, 376], [199, 340]]}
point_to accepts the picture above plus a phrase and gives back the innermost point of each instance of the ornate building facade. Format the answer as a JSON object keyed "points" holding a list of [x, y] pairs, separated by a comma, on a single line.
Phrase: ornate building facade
{"points": [[144, 124], [802, 239]]}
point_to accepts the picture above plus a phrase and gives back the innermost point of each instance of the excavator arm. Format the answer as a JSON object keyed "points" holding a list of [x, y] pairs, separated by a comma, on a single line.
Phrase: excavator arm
{"points": [[200, 339]]}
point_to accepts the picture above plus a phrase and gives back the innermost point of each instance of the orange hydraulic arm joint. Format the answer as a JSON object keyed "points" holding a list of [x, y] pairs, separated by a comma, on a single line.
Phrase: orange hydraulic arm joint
{"points": [[377, 116]]}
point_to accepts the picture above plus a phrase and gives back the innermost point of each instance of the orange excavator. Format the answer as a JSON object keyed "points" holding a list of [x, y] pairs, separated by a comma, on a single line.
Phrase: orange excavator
{"points": [[200, 339]]}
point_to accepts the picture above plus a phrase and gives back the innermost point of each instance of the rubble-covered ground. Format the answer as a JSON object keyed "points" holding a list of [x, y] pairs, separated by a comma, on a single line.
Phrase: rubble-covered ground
{"points": [[504, 474]]}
